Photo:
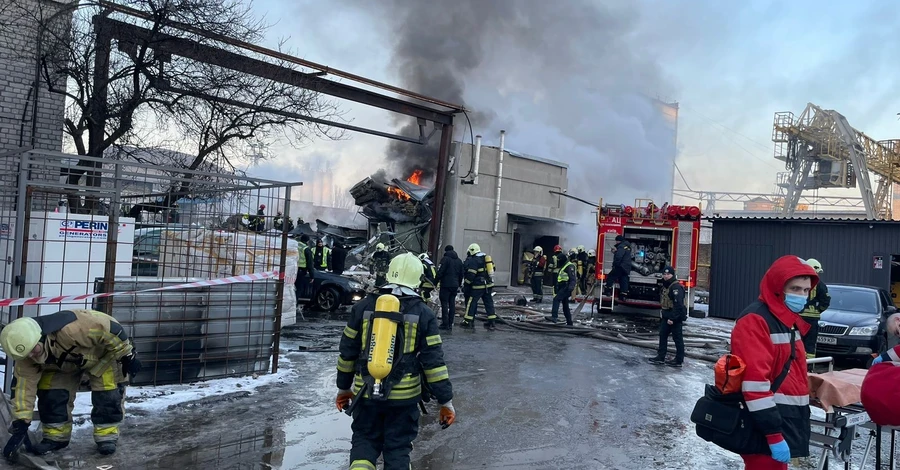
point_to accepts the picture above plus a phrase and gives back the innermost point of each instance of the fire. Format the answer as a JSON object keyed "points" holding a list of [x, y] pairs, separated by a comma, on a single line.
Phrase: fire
{"points": [[415, 177], [398, 193]]}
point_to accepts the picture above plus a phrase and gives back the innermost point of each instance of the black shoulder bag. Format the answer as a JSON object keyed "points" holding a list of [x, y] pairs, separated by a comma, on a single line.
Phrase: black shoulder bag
{"points": [[724, 419]]}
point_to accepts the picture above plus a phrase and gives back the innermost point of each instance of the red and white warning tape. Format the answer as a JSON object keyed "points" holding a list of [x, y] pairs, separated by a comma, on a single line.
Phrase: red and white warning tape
{"points": [[73, 298]]}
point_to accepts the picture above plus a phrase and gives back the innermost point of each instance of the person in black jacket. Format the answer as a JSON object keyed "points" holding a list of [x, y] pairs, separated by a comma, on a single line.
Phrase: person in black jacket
{"points": [[338, 258], [674, 314], [386, 425], [621, 268], [449, 278], [380, 261]]}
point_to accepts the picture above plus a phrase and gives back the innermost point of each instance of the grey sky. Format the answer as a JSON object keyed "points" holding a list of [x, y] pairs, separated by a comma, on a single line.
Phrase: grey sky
{"points": [[558, 77]]}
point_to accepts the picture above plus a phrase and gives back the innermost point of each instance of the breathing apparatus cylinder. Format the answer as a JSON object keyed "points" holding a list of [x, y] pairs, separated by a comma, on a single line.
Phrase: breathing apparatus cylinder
{"points": [[488, 264], [384, 339]]}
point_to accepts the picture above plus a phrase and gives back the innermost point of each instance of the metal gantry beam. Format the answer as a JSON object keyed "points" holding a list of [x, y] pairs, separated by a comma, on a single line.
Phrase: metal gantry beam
{"points": [[710, 197]]}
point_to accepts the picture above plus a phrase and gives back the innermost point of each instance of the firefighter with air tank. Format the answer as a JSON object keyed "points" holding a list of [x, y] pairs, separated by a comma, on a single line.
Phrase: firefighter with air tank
{"points": [[391, 360]]}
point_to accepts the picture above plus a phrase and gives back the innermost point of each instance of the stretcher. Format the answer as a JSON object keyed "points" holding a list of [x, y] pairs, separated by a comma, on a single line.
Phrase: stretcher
{"points": [[838, 394]]}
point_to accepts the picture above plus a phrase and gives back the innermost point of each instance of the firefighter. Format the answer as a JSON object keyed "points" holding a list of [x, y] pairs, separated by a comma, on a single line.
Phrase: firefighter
{"points": [[52, 353], [554, 262], [819, 301], [450, 277], [381, 259], [590, 270], [621, 268], [257, 223], [305, 271], [429, 277], [673, 316], [280, 222], [479, 280], [321, 256], [565, 284], [538, 263], [386, 423], [582, 269], [579, 269]]}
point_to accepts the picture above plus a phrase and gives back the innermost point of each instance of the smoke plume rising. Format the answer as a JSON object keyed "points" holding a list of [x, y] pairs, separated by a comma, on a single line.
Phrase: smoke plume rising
{"points": [[569, 81]]}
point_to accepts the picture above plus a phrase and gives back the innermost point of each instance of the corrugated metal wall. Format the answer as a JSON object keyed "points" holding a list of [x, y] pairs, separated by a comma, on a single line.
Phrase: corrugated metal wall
{"points": [[743, 249]]}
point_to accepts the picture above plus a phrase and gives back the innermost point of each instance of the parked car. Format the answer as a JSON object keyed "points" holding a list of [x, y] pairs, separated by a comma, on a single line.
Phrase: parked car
{"points": [[145, 256], [853, 326], [331, 290]]}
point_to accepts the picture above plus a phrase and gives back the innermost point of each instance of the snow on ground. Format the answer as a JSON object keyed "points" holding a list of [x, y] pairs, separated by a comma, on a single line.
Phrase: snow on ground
{"points": [[154, 399]]}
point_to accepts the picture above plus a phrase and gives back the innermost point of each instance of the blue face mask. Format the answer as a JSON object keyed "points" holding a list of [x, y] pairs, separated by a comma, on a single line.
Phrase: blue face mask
{"points": [[795, 302]]}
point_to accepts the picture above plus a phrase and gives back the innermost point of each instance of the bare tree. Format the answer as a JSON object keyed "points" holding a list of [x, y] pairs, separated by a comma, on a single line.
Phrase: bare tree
{"points": [[151, 98], [343, 199]]}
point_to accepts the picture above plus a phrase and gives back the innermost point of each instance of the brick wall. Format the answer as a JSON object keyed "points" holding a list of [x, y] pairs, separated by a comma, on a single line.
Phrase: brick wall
{"points": [[18, 38]]}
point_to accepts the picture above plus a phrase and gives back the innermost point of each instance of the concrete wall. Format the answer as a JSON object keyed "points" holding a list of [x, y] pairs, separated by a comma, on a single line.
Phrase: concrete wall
{"points": [[18, 37], [525, 190]]}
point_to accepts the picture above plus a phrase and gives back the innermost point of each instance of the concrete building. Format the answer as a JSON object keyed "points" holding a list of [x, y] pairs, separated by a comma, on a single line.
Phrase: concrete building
{"points": [[527, 215], [21, 123]]}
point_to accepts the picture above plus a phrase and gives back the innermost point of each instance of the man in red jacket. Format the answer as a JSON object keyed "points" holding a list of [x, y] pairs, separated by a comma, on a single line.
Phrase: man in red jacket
{"points": [[762, 337]]}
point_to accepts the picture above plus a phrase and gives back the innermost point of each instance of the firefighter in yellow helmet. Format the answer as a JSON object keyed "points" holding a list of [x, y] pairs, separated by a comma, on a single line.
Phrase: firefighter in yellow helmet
{"points": [[387, 389], [479, 281], [429, 277], [52, 353], [819, 301]]}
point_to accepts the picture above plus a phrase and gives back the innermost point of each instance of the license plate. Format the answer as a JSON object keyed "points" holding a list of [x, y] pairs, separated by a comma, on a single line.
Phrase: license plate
{"points": [[826, 340], [857, 419]]}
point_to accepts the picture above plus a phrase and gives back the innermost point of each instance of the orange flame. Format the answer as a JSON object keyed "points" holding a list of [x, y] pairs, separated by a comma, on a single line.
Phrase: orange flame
{"points": [[398, 193], [415, 177]]}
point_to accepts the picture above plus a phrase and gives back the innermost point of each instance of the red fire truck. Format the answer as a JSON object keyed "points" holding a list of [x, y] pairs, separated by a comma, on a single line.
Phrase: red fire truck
{"points": [[659, 237]]}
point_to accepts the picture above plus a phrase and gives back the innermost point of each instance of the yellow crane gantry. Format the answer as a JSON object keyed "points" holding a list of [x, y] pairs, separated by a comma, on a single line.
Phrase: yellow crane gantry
{"points": [[822, 150]]}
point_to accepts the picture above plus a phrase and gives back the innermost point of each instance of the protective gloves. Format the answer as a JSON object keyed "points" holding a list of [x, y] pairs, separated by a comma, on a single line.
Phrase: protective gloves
{"points": [[780, 450], [18, 431], [131, 365], [878, 360], [342, 400], [448, 415]]}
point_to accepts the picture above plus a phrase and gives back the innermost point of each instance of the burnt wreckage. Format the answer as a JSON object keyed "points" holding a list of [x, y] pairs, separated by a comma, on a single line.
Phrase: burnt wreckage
{"points": [[395, 202]]}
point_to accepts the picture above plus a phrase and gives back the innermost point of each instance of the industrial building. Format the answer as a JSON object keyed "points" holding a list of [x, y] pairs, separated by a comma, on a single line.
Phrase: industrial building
{"points": [[504, 205], [852, 251]]}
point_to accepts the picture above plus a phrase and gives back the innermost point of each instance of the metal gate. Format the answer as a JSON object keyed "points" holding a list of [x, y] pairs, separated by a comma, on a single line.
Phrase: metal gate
{"points": [[74, 225]]}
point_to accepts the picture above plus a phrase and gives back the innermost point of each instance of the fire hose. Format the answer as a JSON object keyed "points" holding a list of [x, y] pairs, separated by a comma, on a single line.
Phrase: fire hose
{"points": [[644, 341]]}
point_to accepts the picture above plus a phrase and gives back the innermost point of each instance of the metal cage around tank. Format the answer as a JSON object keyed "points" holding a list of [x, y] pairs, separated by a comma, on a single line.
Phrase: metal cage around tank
{"points": [[74, 225]]}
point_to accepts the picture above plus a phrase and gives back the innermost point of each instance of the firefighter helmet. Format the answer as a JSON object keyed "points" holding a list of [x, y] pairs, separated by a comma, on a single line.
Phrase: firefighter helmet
{"points": [[815, 264], [580, 248], [379, 247], [592, 253], [262, 206], [557, 249], [538, 249], [405, 270], [20, 337], [474, 248], [423, 256]]}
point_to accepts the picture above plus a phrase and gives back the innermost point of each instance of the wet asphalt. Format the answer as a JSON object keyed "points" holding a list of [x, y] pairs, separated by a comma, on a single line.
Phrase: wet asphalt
{"points": [[524, 401]]}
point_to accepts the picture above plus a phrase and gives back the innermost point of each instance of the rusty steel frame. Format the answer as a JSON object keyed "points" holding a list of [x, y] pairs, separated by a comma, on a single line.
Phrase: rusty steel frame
{"points": [[110, 29]]}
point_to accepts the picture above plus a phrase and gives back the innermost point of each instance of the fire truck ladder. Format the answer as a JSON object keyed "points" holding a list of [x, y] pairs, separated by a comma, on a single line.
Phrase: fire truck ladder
{"points": [[822, 150]]}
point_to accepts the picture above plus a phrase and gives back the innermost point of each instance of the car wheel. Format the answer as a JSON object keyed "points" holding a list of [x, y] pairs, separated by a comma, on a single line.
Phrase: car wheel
{"points": [[328, 299]]}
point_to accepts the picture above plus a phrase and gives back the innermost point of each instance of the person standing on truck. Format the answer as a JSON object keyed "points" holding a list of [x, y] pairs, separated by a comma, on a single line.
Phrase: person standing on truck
{"points": [[565, 284], [480, 282], [673, 315], [768, 337], [819, 301], [538, 264], [449, 278], [621, 268]]}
